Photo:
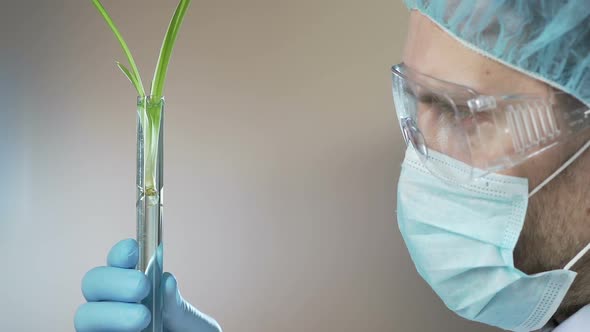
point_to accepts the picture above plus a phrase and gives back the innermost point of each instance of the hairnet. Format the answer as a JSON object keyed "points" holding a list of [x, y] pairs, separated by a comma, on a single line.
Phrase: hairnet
{"points": [[548, 40]]}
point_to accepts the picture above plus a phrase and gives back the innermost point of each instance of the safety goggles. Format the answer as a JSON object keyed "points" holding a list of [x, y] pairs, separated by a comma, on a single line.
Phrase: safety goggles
{"points": [[488, 133]]}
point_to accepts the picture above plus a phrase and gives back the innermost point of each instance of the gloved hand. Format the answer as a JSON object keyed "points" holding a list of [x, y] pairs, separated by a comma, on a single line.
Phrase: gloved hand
{"points": [[578, 322], [113, 293]]}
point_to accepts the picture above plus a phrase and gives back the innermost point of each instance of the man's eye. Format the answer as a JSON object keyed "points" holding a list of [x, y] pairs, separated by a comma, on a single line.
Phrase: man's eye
{"points": [[444, 112], [445, 107], [463, 111], [437, 104]]}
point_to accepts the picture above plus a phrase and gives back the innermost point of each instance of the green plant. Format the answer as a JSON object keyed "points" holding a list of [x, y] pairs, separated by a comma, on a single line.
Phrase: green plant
{"points": [[149, 113]]}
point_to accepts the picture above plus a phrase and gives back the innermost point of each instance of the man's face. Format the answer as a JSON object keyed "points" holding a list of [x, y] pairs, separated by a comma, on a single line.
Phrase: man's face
{"points": [[558, 217]]}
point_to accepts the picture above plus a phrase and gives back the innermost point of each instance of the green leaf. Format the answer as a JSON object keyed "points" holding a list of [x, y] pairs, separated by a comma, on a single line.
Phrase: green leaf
{"points": [[166, 50], [111, 24], [150, 112], [131, 77]]}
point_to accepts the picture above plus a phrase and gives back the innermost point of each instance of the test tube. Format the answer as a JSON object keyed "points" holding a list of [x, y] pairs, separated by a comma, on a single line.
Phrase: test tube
{"points": [[149, 204]]}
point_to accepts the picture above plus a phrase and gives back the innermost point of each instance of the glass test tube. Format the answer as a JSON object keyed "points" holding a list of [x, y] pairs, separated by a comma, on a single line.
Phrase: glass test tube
{"points": [[149, 204]]}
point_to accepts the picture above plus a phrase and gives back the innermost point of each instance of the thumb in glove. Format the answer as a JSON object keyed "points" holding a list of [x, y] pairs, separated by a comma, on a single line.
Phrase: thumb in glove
{"points": [[178, 314]]}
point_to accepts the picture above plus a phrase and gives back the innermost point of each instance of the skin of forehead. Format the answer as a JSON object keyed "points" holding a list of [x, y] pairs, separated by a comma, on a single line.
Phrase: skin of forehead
{"points": [[434, 52]]}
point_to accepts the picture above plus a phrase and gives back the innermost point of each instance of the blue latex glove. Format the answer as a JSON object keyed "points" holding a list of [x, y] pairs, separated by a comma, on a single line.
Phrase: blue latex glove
{"points": [[578, 322], [113, 293]]}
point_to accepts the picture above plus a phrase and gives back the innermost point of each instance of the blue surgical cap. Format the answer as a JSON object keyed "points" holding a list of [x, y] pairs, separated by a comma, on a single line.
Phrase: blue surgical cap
{"points": [[548, 40]]}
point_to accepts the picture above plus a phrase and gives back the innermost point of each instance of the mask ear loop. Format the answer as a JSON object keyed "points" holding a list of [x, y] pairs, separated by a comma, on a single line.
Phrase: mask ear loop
{"points": [[560, 169], [577, 258]]}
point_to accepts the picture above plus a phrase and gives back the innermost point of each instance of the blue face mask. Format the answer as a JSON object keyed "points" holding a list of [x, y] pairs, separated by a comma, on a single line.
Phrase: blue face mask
{"points": [[462, 238]]}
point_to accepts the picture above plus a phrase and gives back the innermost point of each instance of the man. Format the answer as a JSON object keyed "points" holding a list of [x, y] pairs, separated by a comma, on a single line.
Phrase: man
{"points": [[457, 55], [453, 134]]}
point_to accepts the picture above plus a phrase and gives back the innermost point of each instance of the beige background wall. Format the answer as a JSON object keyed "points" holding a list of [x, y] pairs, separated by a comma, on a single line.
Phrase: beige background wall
{"points": [[282, 154]]}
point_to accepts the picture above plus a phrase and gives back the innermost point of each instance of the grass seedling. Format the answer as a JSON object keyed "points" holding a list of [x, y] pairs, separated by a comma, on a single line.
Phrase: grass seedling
{"points": [[150, 112]]}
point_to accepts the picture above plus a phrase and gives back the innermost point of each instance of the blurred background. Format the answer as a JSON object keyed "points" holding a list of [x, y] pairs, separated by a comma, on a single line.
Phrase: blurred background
{"points": [[282, 153]]}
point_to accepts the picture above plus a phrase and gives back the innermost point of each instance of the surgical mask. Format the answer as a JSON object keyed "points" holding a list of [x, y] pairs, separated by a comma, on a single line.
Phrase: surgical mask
{"points": [[461, 237]]}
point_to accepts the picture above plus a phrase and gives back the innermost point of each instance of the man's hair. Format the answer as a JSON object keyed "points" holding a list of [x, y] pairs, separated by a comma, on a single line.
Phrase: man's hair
{"points": [[557, 225]]}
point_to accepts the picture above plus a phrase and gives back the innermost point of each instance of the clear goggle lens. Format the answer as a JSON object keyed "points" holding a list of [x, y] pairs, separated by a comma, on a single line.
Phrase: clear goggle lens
{"points": [[488, 133]]}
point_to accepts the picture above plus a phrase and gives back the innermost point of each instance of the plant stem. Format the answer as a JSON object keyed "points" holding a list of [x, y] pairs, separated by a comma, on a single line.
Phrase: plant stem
{"points": [[150, 114]]}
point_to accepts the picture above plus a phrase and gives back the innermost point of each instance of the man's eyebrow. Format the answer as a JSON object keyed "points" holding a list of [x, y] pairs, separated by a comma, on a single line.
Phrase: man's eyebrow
{"points": [[429, 98], [434, 99]]}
